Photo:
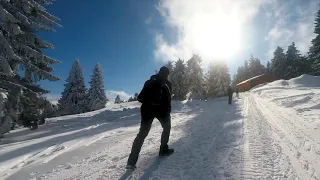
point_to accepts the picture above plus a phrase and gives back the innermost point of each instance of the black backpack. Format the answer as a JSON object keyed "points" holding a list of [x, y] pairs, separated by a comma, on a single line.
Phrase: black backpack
{"points": [[151, 92]]}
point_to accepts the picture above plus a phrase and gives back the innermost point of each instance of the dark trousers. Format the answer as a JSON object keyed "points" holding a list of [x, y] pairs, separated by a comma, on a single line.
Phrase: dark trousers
{"points": [[146, 121], [230, 99]]}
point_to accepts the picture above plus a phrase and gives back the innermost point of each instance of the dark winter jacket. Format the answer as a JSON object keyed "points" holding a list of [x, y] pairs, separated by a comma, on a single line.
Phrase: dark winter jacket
{"points": [[163, 108], [230, 92]]}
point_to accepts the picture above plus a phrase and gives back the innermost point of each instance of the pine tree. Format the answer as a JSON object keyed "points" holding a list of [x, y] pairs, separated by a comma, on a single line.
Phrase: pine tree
{"points": [[240, 75], [221, 80], [246, 71], [117, 100], [73, 97], [178, 80], [210, 81], [234, 81], [131, 99], [294, 62], [278, 63], [268, 69], [135, 98], [169, 65], [314, 52], [195, 77], [96, 96], [255, 67], [20, 48]]}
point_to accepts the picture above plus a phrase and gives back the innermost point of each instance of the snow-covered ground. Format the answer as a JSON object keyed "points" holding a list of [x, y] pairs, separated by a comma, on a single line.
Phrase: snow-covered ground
{"points": [[271, 132]]}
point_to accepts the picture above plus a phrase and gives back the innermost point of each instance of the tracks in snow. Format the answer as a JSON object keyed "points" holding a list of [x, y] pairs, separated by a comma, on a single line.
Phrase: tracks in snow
{"points": [[298, 142], [263, 156]]}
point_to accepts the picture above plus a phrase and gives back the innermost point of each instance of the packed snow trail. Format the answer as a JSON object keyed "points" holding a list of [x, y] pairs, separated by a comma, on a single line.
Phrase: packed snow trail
{"points": [[254, 138], [207, 137]]}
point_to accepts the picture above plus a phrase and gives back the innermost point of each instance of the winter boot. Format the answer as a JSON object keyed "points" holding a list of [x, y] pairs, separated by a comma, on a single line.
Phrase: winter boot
{"points": [[166, 152]]}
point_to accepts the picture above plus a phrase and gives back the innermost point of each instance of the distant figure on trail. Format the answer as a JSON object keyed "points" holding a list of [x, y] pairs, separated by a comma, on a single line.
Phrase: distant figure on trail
{"points": [[230, 92], [155, 97], [237, 92]]}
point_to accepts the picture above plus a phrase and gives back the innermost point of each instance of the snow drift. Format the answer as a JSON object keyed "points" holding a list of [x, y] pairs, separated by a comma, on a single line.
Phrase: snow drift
{"points": [[301, 94]]}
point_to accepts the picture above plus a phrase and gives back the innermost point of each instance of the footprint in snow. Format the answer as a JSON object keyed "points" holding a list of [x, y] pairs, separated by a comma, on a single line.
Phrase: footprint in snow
{"points": [[112, 167], [116, 159]]}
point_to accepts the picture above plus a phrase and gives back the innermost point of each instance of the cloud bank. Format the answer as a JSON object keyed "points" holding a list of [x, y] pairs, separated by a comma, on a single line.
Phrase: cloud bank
{"points": [[215, 28], [292, 22]]}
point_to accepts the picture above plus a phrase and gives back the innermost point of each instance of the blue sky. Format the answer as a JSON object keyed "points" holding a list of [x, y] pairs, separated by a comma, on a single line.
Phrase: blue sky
{"points": [[132, 38]]}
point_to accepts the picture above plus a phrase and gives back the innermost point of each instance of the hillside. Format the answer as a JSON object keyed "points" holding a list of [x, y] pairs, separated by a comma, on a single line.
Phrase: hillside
{"points": [[270, 132]]}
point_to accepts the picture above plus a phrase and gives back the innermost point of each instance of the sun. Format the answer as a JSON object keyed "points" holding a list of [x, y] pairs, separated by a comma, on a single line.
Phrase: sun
{"points": [[215, 36]]}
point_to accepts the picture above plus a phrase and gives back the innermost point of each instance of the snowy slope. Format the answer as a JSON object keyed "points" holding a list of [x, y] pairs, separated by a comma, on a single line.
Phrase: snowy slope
{"points": [[96, 145], [271, 132]]}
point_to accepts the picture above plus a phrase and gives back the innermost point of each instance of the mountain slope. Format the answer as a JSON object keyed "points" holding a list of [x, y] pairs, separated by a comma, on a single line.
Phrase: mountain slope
{"points": [[270, 132]]}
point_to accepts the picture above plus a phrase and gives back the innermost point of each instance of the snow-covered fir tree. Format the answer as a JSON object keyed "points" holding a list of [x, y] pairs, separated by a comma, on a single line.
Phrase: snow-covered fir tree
{"points": [[268, 69], [218, 80], [96, 96], [240, 75], [117, 100], [20, 48], [179, 81], [195, 77], [169, 65], [314, 52], [210, 80], [246, 70], [255, 67], [73, 98], [294, 62], [278, 63]]}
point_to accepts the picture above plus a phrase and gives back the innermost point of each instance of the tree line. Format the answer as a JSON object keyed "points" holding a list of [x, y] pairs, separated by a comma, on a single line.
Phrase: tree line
{"points": [[190, 80], [23, 65]]}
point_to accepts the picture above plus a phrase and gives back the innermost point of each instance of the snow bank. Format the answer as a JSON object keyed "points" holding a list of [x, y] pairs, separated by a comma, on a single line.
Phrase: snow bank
{"points": [[301, 94], [305, 81], [22, 148], [301, 81]]}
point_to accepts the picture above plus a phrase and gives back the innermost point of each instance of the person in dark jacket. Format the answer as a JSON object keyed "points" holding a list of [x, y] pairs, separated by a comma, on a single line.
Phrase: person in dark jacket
{"points": [[149, 111], [237, 92], [230, 92]]}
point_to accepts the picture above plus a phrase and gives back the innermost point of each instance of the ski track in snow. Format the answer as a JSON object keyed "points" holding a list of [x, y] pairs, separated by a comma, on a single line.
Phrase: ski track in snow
{"points": [[263, 156], [254, 138]]}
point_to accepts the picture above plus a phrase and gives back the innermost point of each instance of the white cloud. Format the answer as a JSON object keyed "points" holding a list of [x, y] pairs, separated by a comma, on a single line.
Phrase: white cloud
{"points": [[218, 28], [53, 98], [212, 28], [112, 94], [292, 23]]}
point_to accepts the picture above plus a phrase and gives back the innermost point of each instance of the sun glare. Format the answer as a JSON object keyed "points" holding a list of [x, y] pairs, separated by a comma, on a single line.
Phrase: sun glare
{"points": [[215, 36]]}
